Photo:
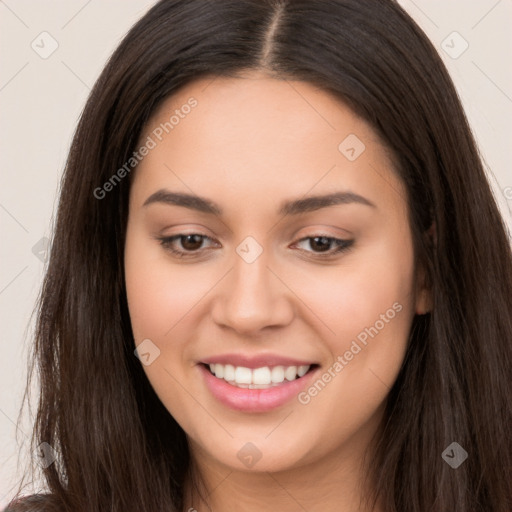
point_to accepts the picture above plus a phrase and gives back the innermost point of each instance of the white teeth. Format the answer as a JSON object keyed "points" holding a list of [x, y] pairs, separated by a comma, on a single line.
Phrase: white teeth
{"points": [[302, 370], [290, 373], [261, 375], [243, 375], [257, 378], [278, 374], [219, 371], [229, 372]]}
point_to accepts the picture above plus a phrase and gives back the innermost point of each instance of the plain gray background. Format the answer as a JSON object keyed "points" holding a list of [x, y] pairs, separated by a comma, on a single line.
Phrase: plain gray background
{"points": [[41, 97]]}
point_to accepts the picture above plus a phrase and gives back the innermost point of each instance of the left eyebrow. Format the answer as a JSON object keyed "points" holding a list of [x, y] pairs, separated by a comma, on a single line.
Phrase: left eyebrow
{"points": [[313, 203]]}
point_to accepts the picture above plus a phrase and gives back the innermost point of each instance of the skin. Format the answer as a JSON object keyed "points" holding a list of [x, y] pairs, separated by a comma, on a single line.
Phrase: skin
{"points": [[251, 143]]}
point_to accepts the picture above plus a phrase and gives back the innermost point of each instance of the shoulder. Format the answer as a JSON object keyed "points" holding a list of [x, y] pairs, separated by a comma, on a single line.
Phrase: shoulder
{"points": [[31, 503]]}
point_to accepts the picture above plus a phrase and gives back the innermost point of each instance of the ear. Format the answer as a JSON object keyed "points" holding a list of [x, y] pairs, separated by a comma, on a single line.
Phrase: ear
{"points": [[424, 302]]}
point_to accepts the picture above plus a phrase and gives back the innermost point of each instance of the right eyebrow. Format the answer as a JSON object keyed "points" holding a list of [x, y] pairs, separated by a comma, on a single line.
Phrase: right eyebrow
{"points": [[194, 202]]}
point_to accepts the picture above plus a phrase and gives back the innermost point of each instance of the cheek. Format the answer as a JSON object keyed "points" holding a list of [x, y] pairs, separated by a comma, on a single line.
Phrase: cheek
{"points": [[159, 296], [355, 295], [368, 309], [159, 299], [164, 302]]}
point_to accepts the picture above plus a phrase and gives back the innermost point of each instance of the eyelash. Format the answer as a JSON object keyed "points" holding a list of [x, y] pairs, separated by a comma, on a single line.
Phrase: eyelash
{"points": [[343, 245]]}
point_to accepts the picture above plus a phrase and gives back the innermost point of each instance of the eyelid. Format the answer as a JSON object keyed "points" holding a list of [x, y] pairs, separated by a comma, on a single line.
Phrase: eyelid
{"points": [[321, 229], [186, 228]]}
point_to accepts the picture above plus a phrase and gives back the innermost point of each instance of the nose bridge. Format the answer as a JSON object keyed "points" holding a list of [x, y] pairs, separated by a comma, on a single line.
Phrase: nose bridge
{"points": [[251, 297], [249, 279]]}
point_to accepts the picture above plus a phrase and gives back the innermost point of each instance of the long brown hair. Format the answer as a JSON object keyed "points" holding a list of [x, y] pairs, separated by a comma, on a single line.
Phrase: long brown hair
{"points": [[118, 447]]}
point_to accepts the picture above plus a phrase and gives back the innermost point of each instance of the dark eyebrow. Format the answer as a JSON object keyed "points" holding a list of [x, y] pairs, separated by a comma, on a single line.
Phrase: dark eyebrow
{"points": [[182, 199], [312, 203], [306, 204]]}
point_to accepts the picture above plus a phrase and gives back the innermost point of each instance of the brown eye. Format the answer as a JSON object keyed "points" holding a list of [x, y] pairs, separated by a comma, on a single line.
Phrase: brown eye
{"points": [[191, 242], [187, 245], [324, 245], [320, 243]]}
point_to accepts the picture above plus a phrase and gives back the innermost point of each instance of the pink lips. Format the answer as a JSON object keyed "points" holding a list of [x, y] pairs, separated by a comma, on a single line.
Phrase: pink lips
{"points": [[254, 400]]}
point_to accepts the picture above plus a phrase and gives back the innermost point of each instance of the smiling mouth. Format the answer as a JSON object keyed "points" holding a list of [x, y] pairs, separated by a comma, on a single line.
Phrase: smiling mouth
{"points": [[258, 378]]}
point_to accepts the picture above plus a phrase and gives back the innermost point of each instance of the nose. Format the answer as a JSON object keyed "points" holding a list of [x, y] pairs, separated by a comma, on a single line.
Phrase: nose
{"points": [[251, 297]]}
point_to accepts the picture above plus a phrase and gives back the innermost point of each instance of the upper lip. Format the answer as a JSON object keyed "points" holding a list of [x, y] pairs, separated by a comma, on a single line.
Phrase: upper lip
{"points": [[255, 361]]}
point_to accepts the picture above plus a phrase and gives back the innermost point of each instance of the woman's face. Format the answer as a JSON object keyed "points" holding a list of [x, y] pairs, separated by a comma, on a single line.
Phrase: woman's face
{"points": [[293, 254]]}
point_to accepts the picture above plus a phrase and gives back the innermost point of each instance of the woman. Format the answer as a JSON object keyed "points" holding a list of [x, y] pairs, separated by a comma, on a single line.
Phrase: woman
{"points": [[279, 279]]}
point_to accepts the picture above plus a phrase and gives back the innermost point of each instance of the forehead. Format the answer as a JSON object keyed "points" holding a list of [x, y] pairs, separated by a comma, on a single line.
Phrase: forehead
{"points": [[255, 134]]}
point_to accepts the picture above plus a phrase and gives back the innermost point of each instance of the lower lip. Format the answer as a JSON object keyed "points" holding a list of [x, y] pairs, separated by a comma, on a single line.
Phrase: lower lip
{"points": [[254, 400]]}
